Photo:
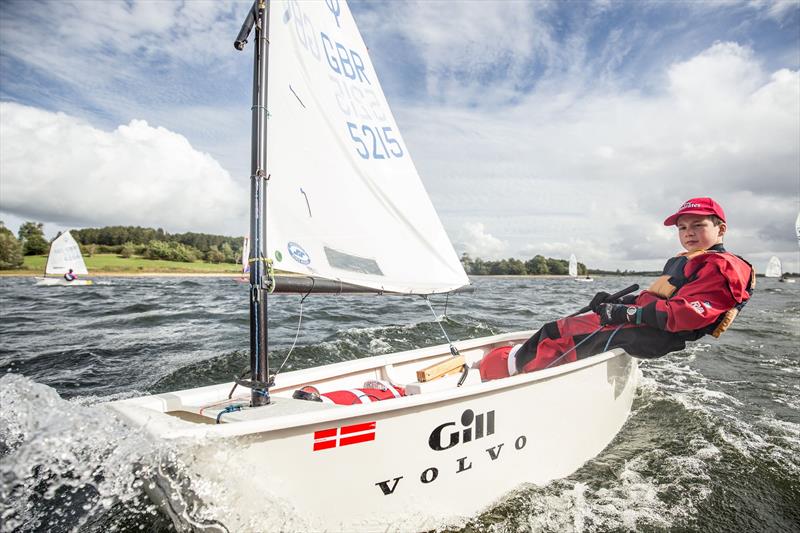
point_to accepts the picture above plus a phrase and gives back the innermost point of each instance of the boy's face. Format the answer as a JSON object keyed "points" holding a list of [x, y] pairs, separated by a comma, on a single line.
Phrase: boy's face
{"points": [[697, 232]]}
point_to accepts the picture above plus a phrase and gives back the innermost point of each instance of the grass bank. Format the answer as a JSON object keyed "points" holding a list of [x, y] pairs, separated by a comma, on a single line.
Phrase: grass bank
{"points": [[112, 264]]}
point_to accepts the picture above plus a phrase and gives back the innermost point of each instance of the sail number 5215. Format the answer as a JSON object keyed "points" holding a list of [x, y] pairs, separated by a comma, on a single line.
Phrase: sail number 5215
{"points": [[375, 142]]}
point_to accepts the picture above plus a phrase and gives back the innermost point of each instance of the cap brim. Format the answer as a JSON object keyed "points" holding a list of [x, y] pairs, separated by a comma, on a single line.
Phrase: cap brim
{"points": [[672, 220]]}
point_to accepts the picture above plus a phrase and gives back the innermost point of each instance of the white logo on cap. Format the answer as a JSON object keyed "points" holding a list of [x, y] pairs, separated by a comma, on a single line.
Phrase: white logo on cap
{"points": [[690, 204]]}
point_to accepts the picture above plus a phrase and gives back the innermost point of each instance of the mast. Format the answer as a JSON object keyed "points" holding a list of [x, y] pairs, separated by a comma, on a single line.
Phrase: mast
{"points": [[259, 369]]}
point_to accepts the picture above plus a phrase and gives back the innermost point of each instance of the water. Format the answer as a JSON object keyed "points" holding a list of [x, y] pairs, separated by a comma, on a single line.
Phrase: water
{"points": [[712, 444]]}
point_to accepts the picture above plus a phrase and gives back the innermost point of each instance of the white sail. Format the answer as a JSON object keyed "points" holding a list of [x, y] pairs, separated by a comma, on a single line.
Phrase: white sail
{"points": [[65, 254], [797, 228], [246, 256], [344, 200], [573, 265], [773, 268]]}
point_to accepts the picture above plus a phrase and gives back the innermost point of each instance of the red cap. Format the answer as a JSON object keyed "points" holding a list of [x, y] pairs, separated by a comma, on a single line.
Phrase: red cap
{"points": [[697, 206]]}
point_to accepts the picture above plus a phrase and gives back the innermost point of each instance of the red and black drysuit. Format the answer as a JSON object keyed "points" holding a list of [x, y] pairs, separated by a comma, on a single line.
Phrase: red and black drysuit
{"points": [[702, 289]]}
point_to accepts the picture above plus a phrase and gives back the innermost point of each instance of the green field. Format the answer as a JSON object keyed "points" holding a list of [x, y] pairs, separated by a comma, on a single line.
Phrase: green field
{"points": [[113, 264]]}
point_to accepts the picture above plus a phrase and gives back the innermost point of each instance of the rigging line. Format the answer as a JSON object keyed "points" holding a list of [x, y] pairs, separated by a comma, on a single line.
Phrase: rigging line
{"points": [[297, 333], [436, 318], [453, 350], [560, 357], [608, 342]]}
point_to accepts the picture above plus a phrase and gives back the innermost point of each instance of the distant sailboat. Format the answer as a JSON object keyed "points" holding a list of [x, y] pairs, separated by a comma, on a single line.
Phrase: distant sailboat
{"points": [[65, 256], [573, 269], [246, 257], [573, 266], [245, 277], [773, 268], [797, 228], [786, 278]]}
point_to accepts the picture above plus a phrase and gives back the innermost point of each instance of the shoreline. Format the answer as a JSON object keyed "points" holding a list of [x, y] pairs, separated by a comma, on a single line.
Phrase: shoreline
{"points": [[9, 274], [101, 274]]}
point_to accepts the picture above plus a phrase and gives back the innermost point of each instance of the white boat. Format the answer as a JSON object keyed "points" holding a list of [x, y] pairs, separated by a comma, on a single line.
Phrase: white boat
{"points": [[573, 270], [346, 211], [407, 464], [773, 269], [64, 255]]}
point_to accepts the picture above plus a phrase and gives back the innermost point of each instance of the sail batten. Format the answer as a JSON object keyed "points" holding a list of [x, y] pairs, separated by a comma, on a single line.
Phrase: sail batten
{"points": [[344, 199]]}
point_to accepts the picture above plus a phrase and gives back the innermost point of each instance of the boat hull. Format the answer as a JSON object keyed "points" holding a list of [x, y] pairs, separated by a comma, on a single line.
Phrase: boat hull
{"points": [[61, 282], [404, 464]]}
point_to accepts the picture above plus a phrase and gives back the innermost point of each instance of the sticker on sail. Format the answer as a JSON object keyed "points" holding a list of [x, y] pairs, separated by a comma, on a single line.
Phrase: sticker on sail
{"points": [[278, 256], [325, 439], [298, 254]]}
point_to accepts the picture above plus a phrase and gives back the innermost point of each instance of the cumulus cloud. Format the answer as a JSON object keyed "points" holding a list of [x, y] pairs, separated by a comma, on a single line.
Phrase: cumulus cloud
{"points": [[609, 166], [474, 240], [58, 168]]}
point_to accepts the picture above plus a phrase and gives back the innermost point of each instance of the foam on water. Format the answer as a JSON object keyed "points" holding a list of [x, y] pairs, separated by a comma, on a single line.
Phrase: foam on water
{"points": [[74, 466], [63, 463]]}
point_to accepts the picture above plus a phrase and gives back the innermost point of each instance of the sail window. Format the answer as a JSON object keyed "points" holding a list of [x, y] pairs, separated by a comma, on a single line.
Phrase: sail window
{"points": [[353, 263]]}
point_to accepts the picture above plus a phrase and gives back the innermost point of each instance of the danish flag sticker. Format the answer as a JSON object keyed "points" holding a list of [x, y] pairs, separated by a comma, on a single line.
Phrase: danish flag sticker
{"points": [[343, 436]]}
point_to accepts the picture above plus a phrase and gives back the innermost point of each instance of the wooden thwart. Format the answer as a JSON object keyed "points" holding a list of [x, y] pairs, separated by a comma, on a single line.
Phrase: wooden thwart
{"points": [[449, 366]]}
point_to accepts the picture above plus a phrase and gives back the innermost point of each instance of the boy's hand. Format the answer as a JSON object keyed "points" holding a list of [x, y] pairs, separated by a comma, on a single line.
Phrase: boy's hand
{"points": [[600, 298], [617, 314]]}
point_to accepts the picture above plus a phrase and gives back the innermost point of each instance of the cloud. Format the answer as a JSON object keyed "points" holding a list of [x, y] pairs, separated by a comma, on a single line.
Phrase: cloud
{"points": [[473, 240], [110, 62], [607, 166], [61, 169]]}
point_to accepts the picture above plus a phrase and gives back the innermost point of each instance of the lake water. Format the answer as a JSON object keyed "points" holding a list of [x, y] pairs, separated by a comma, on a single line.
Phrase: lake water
{"points": [[712, 443]]}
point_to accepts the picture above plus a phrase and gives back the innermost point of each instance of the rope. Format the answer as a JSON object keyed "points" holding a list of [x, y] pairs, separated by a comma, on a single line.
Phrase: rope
{"points": [[297, 333], [229, 409], [294, 343], [608, 343], [436, 318], [453, 350]]}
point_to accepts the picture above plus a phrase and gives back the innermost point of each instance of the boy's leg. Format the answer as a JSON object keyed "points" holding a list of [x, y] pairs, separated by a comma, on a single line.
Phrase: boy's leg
{"points": [[586, 336], [559, 337], [546, 345]]}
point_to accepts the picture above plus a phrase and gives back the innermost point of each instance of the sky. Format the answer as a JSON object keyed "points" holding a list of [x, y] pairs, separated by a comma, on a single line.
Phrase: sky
{"points": [[537, 127]]}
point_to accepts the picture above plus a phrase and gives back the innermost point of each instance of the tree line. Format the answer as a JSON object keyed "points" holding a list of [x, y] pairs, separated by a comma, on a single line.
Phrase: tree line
{"points": [[152, 243], [125, 241], [538, 265]]}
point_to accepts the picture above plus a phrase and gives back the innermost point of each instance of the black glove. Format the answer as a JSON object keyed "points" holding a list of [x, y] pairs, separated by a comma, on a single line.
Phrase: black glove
{"points": [[618, 314], [600, 298]]}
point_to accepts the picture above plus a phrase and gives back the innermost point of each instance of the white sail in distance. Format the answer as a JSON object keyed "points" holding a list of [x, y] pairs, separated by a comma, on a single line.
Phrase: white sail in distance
{"points": [[773, 268], [65, 254], [573, 265], [797, 228], [246, 256], [344, 200]]}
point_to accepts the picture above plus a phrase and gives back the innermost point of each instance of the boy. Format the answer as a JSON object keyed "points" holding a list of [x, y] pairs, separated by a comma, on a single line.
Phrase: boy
{"points": [[700, 291]]}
